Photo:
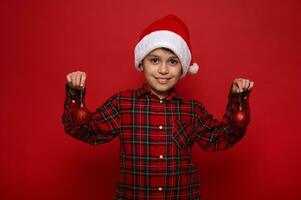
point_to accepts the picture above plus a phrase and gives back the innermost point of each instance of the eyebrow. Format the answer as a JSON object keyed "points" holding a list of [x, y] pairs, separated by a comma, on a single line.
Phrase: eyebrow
{"points": [[153, 55], [173, 56]]}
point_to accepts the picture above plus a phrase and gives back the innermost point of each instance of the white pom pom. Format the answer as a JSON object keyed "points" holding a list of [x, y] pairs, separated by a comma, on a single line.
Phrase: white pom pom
{"points": [[194, 68]]}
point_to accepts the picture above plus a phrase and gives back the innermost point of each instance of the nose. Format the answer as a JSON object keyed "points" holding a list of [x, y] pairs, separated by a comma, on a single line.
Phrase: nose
{"points": [[163, 69]]}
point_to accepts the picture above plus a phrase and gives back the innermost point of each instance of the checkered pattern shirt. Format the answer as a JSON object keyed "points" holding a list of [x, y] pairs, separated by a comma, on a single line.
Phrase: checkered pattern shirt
{"points": [[156, 138]]}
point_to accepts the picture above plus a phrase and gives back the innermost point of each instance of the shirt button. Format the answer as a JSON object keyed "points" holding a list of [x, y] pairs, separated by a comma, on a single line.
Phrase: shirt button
{"points": [[160, 189], [73, 101], [161, 156], [160, 127], [161, 101]]}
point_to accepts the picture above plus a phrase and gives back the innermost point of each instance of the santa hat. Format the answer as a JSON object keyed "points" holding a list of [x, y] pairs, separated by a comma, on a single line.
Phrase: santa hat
{"points": [[169, 32]]}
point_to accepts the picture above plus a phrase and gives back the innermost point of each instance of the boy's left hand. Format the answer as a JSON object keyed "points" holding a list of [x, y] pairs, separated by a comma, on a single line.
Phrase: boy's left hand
{"points": [[240, 85]]}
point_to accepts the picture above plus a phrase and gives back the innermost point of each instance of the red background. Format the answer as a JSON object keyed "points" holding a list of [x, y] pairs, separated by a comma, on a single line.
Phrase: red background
{"points": [[42, 41]]}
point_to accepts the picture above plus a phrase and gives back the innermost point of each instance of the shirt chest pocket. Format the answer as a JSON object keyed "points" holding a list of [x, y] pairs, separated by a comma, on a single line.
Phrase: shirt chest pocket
{"points": [[182, 133]]}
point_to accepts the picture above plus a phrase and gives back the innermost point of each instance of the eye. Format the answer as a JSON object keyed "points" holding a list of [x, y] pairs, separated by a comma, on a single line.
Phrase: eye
{"points": [[174, 62], [154, 60]]}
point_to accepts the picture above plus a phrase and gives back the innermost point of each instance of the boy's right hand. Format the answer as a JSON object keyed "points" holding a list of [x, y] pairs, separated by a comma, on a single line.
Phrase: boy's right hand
{"points": [[77, 80]]}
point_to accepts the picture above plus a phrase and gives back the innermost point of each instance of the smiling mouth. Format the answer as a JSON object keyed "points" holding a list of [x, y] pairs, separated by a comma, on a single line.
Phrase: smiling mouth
{"points": [[162, 80]]}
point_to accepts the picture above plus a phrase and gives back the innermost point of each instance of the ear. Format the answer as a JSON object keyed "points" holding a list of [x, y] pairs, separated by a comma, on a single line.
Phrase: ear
{"points": [[141, 67]]}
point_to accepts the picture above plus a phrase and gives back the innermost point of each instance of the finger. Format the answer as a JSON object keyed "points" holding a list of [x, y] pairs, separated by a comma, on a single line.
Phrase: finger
{"points": [[240, 85], [77, 79], [235, 86], [246, 84], [68, 78], [73, 76], [83, 80], [251, 85]]}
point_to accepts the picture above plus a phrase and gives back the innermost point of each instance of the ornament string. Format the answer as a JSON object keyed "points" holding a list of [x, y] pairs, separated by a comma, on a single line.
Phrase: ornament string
{"points": [[81, 98], [240, 103]]}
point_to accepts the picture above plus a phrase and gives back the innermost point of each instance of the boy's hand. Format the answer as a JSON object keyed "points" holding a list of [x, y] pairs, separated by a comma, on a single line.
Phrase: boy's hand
{"points": [[77, 80], [240, 85]]}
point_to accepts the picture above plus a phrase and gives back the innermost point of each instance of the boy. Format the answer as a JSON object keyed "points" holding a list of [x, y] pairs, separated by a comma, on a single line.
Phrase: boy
{"points": [[155, 125]]}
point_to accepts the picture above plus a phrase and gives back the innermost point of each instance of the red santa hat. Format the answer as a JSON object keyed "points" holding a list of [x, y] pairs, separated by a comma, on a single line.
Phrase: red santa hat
{"points": [[169, 32]]}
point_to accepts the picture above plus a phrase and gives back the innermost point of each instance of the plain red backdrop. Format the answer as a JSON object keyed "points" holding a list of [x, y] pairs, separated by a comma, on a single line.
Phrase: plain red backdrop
{"points": [[42, 41]]}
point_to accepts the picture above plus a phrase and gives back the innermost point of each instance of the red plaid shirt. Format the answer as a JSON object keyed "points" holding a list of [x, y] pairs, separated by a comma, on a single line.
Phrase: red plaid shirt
{"points": [[156, 138]]}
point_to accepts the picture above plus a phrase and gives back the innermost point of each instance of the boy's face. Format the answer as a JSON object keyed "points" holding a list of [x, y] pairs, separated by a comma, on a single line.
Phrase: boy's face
{"points": [[162, 70]]}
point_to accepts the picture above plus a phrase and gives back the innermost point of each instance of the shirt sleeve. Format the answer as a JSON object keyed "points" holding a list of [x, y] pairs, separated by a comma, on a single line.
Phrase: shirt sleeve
{"points": [[214, 135], [103, 124]]}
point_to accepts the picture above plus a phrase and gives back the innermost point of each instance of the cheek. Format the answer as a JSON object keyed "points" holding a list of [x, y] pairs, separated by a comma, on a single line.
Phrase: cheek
{"points": [[147, 73], [177, 71], [148, 70]]}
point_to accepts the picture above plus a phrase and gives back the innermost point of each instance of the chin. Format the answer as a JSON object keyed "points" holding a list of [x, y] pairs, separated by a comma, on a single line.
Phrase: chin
{"points": [[162, 87], [152, 82]]}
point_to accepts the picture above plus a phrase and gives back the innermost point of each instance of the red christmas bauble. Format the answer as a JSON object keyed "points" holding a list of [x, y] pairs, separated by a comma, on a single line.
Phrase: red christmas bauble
{"points": [[80, 115], [241, 119]]}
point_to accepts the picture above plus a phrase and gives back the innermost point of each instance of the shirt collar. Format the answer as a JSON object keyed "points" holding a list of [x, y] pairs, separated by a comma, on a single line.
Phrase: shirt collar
{"points": [[144, 89]]}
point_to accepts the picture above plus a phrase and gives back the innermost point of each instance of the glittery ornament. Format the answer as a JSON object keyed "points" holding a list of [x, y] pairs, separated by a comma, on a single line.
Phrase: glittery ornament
{"points": [[241, 118], [80, 115]]}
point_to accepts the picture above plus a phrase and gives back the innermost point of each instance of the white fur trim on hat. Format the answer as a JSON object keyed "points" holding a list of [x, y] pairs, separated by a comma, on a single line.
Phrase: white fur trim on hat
{"points": [[166, 39]]}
